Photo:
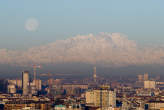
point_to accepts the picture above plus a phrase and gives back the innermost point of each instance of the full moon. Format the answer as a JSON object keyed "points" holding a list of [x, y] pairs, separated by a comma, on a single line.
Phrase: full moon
{"points": [[31, 24]]}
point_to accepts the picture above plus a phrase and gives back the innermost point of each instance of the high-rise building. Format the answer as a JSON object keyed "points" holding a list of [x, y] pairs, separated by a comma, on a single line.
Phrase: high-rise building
{"points": [[50, 82], [11, 89], [37, 84], [25, 82], [140, 78], [146, 77], [16, 82], [149, 84], [94, 74], [101, 98]]}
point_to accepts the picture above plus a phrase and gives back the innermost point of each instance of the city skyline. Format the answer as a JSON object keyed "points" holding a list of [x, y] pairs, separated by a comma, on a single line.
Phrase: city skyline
{"points": [[81, 55]]}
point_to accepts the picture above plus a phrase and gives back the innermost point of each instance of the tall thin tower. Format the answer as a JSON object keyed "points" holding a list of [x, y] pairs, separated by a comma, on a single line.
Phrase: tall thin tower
{"points": [[94, 74], [34, 70], [25, 82]]}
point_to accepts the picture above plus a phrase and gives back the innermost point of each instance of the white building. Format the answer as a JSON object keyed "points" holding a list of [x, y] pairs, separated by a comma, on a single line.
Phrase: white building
{"points": [[156, 105], [149, 84], [35, 86], [11, 89], [25, 82], [101, 98], [37, 83], [16, 82]]}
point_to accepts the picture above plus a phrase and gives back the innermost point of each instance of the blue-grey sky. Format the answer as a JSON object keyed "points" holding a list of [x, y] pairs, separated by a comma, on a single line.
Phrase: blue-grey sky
{"points": [[140, 20]]}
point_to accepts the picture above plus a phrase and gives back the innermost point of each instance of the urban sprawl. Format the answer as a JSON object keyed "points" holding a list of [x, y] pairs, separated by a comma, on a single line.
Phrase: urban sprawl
{"points": [[94, 93]]}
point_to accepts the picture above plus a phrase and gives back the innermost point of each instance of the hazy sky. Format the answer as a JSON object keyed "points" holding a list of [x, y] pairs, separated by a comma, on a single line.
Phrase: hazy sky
{"points": [[140, 20]]}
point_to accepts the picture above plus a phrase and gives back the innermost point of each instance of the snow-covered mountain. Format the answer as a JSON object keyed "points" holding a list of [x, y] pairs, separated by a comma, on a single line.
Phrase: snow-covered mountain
{"points": [[106, 49]]}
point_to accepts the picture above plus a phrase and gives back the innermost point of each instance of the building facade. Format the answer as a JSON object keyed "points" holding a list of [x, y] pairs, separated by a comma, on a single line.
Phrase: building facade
{"points": [[149, 84], [25, 82], [101, 98]]}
